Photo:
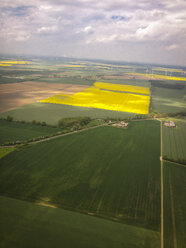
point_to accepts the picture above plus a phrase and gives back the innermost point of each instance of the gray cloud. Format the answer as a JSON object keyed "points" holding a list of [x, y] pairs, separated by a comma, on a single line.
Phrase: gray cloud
{"points": [[120, 29]]}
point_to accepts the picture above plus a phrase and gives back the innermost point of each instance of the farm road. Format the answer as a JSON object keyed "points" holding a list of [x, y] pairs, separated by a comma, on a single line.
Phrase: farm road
{"points": [[65, 134], [172, 212], [162, 210]]}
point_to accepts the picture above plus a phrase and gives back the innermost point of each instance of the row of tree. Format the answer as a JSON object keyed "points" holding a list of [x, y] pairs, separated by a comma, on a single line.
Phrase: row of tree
{"points": [[34, 122], [73, 122], [31, 140]]}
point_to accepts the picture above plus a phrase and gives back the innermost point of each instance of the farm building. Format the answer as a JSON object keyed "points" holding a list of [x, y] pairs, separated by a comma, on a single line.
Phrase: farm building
{"points": [[121, 124], [169, 123]]}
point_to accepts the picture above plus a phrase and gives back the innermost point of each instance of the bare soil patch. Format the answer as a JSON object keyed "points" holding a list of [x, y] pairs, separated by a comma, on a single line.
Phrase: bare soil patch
{"points": [[18, 94]]}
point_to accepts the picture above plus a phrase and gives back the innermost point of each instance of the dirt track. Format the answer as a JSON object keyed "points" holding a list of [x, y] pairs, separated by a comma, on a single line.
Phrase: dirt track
{"points": [[18, 94], [162, 190]]}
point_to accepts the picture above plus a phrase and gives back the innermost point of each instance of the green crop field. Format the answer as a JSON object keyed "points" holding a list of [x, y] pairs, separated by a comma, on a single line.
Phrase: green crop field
{"points": [[5, 80], [67, 80], [15, 131], [51, 113], [107, 171], [174, 141], [24, 224], [174, 206], [165, 100]]}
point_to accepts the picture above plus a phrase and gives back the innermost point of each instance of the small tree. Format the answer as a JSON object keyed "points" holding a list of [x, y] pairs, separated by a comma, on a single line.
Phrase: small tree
{"points": [[9, 118]]}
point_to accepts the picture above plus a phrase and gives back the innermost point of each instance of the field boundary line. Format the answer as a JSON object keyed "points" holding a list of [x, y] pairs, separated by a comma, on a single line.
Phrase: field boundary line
{"points": [[65, 134], [55, 137], [175, 163], [162, 195], [172, 212]]}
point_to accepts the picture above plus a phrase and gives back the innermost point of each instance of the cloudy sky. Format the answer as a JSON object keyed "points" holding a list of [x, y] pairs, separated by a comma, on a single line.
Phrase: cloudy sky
{"points": [[127, 30]]}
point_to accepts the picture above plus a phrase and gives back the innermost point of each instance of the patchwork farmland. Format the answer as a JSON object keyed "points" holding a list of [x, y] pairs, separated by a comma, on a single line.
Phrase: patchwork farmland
{"points": [[111, 174], [19, 94], [91, 188], [51, 113]]}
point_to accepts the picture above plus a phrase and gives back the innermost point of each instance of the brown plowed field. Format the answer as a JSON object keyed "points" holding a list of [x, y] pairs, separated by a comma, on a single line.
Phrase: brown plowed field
{"points": [[18, 94]]}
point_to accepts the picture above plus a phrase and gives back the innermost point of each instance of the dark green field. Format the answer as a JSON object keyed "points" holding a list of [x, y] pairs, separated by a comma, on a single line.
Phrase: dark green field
{"points": [[107, 171], [14, 131], [165, 100], [174, 206], [51, 113], [24, 224], [68, 80], [174, 141]]}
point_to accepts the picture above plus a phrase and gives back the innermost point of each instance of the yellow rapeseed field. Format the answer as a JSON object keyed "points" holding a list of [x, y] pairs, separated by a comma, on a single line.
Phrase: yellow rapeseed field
{"points": [[120, 87], [96, 98], [5, 65], [12, 62], [160, 76], [167, 69]]}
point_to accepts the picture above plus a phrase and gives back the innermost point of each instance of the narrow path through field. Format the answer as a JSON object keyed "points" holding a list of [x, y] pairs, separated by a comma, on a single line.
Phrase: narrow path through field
{"points": [[162, 210], [65, 134], [172, 212]]}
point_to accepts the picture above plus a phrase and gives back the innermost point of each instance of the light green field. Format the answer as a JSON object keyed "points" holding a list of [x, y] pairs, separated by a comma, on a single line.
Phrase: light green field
{"points": [[109, 172], [174, 205], [174, 141], [24, 224], [5, 150], [12, 131], [51, 113]]}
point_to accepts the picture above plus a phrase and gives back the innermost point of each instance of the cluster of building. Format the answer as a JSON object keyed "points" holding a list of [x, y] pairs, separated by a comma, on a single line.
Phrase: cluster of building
{"points": [[169, 123], [120, 124]]}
